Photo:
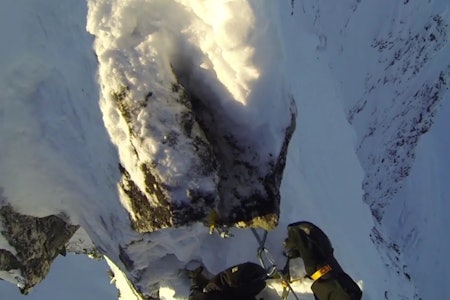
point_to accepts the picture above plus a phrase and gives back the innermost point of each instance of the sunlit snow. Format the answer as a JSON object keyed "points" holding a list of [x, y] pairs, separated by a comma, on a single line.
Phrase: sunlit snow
{"points": [[61, 139]]}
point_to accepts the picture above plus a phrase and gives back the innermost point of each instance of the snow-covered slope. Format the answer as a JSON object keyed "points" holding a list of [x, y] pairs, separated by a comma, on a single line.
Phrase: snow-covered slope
{"points": [[394, 73], [417, 221], [367, 161], [56, 156]]}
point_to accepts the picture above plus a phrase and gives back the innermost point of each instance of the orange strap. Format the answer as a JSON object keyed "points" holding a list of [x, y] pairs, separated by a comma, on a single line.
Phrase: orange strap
{"points": [[320, 272]]}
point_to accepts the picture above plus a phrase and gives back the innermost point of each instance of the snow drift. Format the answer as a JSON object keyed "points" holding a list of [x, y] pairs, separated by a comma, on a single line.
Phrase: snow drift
{"points": [[187, 109]]}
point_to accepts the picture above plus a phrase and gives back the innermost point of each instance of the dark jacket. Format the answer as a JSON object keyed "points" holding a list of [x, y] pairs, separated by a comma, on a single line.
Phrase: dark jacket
{"points": [[337, 287], [240, 282], [309, 242]]}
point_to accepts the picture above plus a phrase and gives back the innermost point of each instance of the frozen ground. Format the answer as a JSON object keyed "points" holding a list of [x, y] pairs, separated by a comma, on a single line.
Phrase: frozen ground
{"points": [[56, 150]]}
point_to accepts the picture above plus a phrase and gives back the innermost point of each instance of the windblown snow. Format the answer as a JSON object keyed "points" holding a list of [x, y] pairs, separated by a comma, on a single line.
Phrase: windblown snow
{"points": [[146, 47], [365, 76]]}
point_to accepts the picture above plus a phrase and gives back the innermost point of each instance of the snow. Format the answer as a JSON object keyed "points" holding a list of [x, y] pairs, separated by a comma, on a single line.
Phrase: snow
{"points": [[72, 277], [53, 132], [61, 136], [421, 221], [139, 43]]}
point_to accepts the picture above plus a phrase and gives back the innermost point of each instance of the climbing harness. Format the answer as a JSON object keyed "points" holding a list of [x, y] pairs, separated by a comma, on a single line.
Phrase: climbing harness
{"points": [[264, 256]]}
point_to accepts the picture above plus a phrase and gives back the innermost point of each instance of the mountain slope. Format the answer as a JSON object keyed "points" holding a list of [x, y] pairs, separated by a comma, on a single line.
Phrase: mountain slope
{"points": [[394, 75], [193, 101]]}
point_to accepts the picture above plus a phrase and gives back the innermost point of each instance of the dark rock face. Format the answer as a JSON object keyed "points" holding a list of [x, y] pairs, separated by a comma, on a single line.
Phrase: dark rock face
{"points": [[249, 183], [161, 204], [237, 183], [245, 182], [37, 241]]}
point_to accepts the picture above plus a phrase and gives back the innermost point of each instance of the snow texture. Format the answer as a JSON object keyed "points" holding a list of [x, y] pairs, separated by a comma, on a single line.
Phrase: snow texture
{"points": [[367, 163]]}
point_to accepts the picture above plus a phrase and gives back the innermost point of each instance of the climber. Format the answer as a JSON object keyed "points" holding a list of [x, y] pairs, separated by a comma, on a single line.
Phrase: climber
{"points": [[241, 282], [309, 242]]}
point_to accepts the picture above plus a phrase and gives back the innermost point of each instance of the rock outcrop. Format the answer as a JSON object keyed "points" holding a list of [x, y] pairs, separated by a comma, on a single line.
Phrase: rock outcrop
{"points": [[243, 186], [36, 241], [160, 203]]}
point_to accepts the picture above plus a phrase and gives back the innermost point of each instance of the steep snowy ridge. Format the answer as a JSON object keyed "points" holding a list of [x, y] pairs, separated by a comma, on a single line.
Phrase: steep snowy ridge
{"points": [[403, 102], [196, 99], [418, 217], [56, 157], [399, 56]]}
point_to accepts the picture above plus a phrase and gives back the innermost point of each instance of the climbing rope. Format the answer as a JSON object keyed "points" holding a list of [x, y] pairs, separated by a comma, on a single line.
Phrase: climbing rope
{"points": [[263, 255]]}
